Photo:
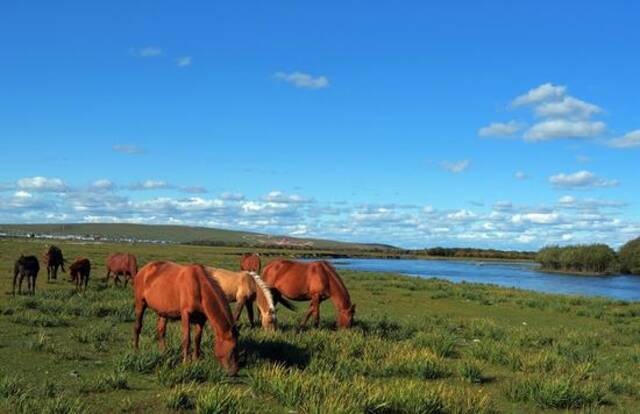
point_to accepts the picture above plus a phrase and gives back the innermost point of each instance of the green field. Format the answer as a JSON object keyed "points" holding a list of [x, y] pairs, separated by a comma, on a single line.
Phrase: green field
{"points": [[424, 346]]}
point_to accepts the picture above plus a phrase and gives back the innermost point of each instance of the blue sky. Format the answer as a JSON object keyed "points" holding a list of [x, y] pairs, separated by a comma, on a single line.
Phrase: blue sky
{"points": [[490, 124]]}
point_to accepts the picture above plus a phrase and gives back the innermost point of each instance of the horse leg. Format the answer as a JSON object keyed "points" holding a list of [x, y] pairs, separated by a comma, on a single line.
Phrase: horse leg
{"points": [[162, 330], [33, 284], [126, 279], [249, 306], [316, 311], [106, 278], [186, 336], [137, 328], [86, 282], [20, 284], [238, 310], [315, 300], [48, 274], [15, 278], [198, 339]]}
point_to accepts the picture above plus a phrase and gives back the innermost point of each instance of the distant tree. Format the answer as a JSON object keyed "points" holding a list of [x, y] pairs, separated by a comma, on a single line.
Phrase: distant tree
{"points": [[630, 257]]}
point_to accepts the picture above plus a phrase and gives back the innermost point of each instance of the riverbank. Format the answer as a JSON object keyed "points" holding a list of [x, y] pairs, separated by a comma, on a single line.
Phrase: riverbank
{"points": [[417, 344]]}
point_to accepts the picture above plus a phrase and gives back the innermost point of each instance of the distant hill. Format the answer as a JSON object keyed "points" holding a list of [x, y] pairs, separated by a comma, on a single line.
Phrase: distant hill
{"points": [[176, 234]]}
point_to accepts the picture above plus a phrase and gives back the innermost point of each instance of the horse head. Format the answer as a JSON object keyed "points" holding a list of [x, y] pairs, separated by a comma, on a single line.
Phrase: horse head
{"points": [[226, 350], [345, 316]]}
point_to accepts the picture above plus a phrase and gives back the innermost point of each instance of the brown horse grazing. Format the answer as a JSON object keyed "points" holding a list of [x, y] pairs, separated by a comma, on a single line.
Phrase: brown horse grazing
{"points": [[53, 259], [244, 288], [26, 266], [315, 281], [250, 262], [188, 293], [79, 272], [124, 264]]}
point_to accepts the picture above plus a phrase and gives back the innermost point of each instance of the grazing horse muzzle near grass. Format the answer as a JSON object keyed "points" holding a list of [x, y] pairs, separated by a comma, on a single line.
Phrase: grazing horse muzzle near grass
{"points": [[188, 293], [315, 282]]}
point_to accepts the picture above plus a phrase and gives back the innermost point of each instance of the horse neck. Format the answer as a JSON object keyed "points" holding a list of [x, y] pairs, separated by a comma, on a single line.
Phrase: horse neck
{"points": [[216, 310], [339, 293]]}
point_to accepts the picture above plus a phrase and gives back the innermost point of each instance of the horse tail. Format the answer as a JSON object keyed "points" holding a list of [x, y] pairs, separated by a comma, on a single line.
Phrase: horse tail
{"points": [[264, 288]]}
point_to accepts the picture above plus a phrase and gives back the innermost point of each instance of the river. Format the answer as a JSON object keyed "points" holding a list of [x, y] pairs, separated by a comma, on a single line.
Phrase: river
{"points": [[520, 275]]}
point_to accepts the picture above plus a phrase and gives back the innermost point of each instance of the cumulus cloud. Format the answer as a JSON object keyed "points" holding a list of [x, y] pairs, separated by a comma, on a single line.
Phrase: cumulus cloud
{"points": [[455, 167], [303, 80], [41, 184], [184, 61], [563, 128], [580, 179], [628, 140], [556, 116], [568, 107], [128, 149], [536, 218], [541, 93], [499, 129]]}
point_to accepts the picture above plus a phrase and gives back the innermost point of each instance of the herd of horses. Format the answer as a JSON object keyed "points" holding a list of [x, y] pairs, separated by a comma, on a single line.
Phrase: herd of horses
{"points": [[196, 294]]}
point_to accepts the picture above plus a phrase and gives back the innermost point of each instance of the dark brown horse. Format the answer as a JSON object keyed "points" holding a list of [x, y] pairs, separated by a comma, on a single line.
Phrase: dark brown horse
{"points": [[315, 281], [53, 259], [187, 293], [79, 272], [124, 264], [250, 262], [26, 266]]}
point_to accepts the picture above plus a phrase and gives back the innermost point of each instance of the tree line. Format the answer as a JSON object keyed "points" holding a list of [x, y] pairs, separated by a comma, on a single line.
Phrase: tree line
{"points": [[466, 252], [591, 258]]}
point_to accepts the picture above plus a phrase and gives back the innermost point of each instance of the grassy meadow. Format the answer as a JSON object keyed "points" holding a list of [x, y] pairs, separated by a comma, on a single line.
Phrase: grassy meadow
{"points": [[418, 346]]}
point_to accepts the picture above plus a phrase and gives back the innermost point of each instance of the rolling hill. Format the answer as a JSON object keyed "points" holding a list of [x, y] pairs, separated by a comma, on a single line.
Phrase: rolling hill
{"points": [[175, 234]]}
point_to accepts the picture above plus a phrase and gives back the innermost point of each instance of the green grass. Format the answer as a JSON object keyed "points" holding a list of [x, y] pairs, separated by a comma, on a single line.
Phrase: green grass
{"points": [[418, 346]]}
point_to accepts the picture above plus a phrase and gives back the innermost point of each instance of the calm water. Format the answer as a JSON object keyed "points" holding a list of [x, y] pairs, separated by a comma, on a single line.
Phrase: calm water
{"points": [[510, 274]]}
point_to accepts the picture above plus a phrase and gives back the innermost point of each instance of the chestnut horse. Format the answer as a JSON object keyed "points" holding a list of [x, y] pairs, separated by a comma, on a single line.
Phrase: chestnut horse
{"points": [[315, 281], [250, 262], [121, 264], [244, 288], [53, 259], [79, 272], [26, 266], [188, 293]]}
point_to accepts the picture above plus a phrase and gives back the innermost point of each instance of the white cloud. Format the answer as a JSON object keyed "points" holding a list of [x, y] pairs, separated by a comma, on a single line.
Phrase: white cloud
{"points": [[563, 128], [102, 185], [462, 215], [628, 140], [520, 175], [280, 197], [536, 218], [184, 61], [22, 194], [542, 93], [455, 167], [499, 129], [568, 107], [580, 179], [128, 149], [148, 52], [41, 184], [303, 80], [150, 185]]}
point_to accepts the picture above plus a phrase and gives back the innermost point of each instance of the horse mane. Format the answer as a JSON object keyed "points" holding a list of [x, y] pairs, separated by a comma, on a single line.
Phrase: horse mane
{"points": [[265, 289], [216, 292], [333, 274]]}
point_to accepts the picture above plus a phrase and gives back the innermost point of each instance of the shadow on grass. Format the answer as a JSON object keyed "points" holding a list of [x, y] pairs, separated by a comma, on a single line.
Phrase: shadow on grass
{"points": [[273, 350]]}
